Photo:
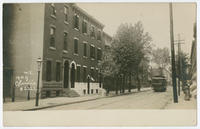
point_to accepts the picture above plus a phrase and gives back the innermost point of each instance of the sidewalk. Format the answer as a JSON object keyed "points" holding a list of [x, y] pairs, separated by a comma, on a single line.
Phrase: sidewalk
{"points": [[59, 101], [182, 104]]}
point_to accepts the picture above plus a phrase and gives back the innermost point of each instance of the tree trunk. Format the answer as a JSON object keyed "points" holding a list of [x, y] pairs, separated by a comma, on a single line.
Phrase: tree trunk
{"points": [[123, 84], [116, 84], [139, 85], [129, 85]]}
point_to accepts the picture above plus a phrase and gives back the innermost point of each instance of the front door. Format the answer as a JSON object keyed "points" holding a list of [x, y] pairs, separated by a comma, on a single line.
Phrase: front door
{"points": [[72, 76], [66, 74]]}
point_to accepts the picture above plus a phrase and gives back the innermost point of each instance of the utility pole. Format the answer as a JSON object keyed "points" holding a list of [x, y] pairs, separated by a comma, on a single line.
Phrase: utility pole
{"points": [[179, 42], [173, 55]]}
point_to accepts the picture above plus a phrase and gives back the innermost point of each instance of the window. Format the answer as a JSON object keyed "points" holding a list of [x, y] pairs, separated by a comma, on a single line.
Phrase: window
{"points": [[65, 45], [99, 35], [53, 10], [92, 34], [52, 36], [84, 74], [78, 74], [92, 52], [58, 71], [76, 21], [84, 26], [66, 13], [48, 70], [76, 46], [99, 54], [85, 49]]}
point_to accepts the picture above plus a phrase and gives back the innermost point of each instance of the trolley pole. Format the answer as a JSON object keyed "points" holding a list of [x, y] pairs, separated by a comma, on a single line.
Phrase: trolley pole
{"points": [[173, 55], [179, 42]]}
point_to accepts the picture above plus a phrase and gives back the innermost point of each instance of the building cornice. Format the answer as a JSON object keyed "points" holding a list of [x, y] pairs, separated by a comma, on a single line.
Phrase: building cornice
{"points": [[80, 10]]}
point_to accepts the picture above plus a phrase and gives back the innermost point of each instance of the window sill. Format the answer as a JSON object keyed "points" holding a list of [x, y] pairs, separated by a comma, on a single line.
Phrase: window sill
{"points": [[67, 23], [85, 57], [92, 59], [52, 48], [53, 16], [65, 51], [85, 34], [75, 54], [76, 29]]}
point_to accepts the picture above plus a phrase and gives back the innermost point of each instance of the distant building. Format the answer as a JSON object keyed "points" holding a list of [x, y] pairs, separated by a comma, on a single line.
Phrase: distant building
{"points": [[193, 68], [69, 41]]}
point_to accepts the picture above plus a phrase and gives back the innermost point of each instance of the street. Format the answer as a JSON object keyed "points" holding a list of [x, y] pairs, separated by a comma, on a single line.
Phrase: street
{"points": [[140, 100]]}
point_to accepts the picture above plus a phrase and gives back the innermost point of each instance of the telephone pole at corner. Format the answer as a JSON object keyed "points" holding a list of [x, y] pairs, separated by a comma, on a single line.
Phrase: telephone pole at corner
{"points": [[173, 55], [179, 42]]}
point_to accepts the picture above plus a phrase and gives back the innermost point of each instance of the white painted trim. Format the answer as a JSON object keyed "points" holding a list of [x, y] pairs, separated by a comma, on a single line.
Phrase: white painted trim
{"points": [[76, 54], [52, 25], [52, 48], [99, 48], [73, 62], [67, 23], [65, 51], [84, 66], [76, 38], [78, 65], [91, 67], [85, 42], [92, 45], [65, 31]]}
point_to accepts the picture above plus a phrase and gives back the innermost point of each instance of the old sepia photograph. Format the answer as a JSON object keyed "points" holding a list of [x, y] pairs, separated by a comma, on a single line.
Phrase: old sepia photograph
{"points": [[78, 62]]}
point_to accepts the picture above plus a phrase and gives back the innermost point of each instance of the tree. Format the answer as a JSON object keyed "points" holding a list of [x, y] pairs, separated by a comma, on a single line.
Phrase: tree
{"points": [[161, 57], [130, 45], [107, 65]]}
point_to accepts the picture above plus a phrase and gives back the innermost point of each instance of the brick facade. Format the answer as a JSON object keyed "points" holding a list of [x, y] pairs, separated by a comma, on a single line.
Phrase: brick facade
{"points": [[70, 44]]}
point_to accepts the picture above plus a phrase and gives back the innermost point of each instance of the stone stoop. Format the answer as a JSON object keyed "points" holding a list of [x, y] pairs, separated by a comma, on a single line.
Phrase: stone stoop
{"points": [[70, 93]]}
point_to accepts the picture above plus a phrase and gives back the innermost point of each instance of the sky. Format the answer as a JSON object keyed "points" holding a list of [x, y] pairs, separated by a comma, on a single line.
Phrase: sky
{"points": [[154, 16]]}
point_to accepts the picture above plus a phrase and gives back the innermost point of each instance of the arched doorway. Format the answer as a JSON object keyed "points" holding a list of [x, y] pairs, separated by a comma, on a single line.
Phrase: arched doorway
{"points": [[72, 75], [66, 74]]}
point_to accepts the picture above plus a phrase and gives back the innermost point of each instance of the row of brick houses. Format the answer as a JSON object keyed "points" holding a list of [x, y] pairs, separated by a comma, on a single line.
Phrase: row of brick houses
{"points": [[69, 41]]}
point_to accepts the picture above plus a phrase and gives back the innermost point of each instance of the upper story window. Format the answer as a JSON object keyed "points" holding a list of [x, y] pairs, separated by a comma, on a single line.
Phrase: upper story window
{"points": [[53, 10], [76, 21], [92, 51], [52, 36], [99, 54], [65, 43], [84, 49], [84, 26], [92, 33], [48, 70], [99, 35], [66, 13], [75, 45]]}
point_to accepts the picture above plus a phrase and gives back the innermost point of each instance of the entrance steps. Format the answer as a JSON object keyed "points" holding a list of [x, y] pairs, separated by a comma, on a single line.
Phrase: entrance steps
{"points": [[70, 93]]}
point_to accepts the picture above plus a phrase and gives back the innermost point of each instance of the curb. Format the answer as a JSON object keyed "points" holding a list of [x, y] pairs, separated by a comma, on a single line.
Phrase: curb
{"points": [[51, 106]]}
